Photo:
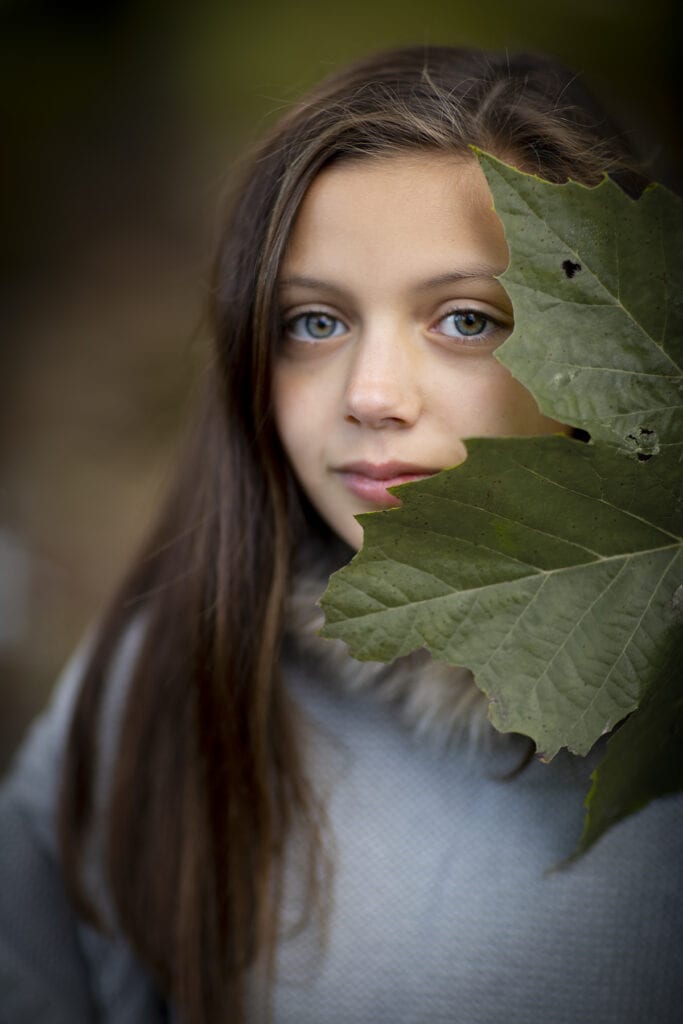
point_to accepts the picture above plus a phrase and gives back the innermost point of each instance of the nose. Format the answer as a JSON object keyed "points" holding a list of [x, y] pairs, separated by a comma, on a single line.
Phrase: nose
{"points": [[382, 389]]}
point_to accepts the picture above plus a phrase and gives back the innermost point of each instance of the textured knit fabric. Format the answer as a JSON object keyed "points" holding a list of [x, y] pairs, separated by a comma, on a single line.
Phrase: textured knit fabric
{"points": [[444, 905]]}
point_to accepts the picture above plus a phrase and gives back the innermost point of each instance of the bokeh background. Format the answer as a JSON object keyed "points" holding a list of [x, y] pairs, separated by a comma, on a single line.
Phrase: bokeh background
{"points": [[121, 122]]}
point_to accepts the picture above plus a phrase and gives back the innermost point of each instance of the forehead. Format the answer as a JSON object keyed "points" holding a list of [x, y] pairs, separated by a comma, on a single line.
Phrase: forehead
{"points": [[414, 206]]}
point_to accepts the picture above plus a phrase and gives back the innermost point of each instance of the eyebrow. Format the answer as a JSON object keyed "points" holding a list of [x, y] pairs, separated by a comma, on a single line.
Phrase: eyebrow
{"points": [[476, 271]]}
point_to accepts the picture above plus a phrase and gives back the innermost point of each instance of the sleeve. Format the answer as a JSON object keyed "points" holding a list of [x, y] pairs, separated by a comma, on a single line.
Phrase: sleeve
{"points": [[54, 969], [43, 975]]}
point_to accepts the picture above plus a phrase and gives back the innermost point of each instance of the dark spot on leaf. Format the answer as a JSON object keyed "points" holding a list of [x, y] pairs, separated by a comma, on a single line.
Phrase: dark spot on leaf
{"points": [[642, 444], [570, 268], [677, 601]]}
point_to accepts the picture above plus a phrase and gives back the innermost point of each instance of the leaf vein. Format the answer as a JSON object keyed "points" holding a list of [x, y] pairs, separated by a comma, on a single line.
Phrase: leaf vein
{"points": [[505, 519], [582, 260], [627, 642], [473, 591], [575, 627], [609, 504]]}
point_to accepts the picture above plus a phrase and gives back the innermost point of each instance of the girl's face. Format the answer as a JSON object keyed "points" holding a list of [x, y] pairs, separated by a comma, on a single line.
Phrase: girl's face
{"points": [[392, 314]]}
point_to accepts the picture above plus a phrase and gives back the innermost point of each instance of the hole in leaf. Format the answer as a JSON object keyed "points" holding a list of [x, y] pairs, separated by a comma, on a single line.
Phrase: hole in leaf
{"points": [[570, 268], [641, 444]]}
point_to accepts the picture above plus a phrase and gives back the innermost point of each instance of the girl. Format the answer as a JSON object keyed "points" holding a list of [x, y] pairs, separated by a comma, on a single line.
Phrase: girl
{"points": [[224, 818]]}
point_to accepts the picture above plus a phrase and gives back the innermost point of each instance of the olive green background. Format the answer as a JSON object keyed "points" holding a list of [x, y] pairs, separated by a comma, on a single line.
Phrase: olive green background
{"points": [[120, 123]]}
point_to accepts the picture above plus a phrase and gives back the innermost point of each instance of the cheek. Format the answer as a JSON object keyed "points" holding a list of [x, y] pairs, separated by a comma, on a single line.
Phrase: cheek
{"points": [[286, 425], [519, 412], [506, 407], [488, 401], [295, 416]]}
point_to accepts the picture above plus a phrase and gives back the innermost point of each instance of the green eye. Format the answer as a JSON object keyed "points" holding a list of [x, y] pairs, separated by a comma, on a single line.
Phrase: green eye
{"points": [[470, 323], [319, 325], [461, 324], [314, 326]]}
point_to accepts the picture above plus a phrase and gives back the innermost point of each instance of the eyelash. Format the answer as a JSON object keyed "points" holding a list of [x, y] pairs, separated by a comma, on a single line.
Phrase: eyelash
{"points": [[491, 325]]}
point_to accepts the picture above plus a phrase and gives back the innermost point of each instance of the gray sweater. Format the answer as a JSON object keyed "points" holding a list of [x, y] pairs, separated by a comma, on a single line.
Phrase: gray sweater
{"points": [[444, 905]]}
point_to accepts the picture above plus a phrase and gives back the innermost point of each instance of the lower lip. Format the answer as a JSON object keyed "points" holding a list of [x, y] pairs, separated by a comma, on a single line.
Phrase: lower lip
{"points": [[375, 491]]}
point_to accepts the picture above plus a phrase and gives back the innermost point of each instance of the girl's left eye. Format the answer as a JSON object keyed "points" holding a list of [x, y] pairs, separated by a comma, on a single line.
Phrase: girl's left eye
{"points": [[468, 323], [314, 325]]}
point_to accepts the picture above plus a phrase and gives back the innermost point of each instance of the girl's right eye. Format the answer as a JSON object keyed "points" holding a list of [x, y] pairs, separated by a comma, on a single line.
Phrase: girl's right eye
{"points": [[314, 325]]}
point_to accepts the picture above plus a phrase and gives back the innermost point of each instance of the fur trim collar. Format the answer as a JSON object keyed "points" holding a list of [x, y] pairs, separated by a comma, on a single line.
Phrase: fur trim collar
{"points": [[435, 700]]}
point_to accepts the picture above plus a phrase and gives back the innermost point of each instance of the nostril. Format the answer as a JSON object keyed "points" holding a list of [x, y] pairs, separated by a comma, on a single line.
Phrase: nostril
{"points": [[376, 422], [380, 406]]}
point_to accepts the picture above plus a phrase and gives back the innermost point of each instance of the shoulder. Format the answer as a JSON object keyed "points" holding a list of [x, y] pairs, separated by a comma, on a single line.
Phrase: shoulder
{"points": [[35, 773], [54, 968]]}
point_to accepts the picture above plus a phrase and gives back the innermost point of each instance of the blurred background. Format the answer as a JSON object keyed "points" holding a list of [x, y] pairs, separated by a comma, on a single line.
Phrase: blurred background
{"points": [[121, 122]]}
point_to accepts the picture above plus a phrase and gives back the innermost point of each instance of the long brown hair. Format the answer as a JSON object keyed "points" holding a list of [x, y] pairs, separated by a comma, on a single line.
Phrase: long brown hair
{"points": [[209, 777]]}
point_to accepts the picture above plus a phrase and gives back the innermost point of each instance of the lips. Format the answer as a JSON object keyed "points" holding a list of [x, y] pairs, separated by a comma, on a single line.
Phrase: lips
{"points": [[369, 481]]}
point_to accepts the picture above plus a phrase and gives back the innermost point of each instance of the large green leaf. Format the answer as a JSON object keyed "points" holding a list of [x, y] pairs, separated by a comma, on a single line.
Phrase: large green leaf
{"points": [[596, 282], [544, 564], [643, 758], [549, 566]]}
